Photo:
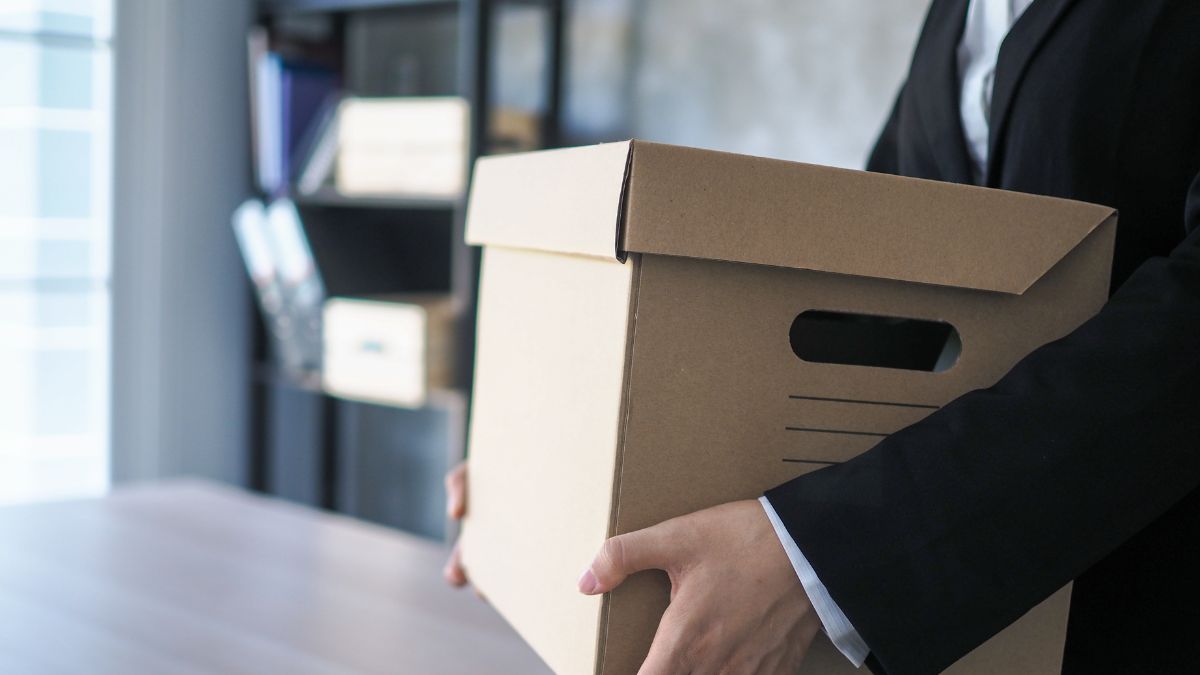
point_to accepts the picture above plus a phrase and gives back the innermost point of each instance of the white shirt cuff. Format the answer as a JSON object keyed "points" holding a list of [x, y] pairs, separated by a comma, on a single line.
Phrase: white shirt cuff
{"points": [[839, 629]]}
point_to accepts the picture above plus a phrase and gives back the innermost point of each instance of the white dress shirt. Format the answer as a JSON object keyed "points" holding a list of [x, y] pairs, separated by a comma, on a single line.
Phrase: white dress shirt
{"points": [[988, 22]]}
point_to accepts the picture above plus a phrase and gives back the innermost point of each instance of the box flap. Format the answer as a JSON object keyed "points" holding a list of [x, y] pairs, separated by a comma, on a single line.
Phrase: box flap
{"points": [[567, 200], [705, 204]]}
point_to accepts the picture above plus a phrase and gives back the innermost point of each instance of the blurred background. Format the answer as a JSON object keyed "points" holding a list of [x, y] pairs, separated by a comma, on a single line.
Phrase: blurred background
{"points": [[231, 230]]}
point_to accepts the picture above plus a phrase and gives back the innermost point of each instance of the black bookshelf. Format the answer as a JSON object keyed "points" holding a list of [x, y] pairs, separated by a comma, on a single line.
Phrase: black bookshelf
{"points": [[340, 455]]}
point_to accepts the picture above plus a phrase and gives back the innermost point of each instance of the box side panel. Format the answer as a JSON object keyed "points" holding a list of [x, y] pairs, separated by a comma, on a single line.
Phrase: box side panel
{"points": [[549, 382], [721, 408]]}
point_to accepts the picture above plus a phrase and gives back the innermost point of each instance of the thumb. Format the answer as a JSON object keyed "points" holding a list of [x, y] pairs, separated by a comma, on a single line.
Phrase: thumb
{"points": [[622, 555]]}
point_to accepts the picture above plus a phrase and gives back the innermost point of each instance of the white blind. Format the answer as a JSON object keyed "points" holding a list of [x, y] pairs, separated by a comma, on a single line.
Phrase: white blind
{"points": [[55, 191]]}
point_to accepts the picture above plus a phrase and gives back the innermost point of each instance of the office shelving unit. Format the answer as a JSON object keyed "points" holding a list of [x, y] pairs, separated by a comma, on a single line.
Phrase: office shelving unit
{"points": [[366, 460]]}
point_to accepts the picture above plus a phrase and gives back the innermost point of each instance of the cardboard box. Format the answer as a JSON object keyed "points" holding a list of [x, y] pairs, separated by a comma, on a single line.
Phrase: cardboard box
{"points": [[393, 350], [513, 130], [402, 147], [642, 313]]}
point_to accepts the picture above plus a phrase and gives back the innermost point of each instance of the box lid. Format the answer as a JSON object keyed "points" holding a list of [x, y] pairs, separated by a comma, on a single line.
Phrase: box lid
{"points": [[635, 196]]}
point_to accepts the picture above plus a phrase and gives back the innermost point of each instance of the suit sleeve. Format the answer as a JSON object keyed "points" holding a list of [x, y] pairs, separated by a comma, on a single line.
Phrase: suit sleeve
{"points": [[951, 529], [885, 156]]}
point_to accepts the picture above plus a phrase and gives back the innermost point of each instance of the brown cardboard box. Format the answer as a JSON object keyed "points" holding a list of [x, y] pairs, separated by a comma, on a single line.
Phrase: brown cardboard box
{"points": [[393, 350], [641, 312]]}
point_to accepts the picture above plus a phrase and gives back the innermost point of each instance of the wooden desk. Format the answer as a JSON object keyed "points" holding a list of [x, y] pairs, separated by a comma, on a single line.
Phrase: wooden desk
{"points": [[194, 578]]}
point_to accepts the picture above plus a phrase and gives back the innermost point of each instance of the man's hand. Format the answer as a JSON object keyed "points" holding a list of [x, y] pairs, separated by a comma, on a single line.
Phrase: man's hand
{"points": [[456, 508], [736, 603]]}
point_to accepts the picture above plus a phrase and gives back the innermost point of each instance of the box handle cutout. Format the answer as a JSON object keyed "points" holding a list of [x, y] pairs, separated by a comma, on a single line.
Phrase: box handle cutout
{"points": [[850, 339], [372, 346]]}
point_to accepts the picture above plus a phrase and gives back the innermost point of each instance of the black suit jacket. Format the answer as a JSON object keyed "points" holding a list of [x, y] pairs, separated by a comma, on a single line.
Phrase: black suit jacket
{"points": [[1084, 461]]}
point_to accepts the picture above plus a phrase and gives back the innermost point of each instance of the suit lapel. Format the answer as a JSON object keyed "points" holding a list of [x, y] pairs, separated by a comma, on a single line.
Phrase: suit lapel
{"points": [[934, 88], [1024, 40]]}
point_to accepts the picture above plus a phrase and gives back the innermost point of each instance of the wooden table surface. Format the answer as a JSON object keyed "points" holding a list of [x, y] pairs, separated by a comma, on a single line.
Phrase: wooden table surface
{"points": [[195, 578]]}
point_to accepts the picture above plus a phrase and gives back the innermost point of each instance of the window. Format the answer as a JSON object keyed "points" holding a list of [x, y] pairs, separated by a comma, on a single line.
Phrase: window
{"points": [[55, 190]]}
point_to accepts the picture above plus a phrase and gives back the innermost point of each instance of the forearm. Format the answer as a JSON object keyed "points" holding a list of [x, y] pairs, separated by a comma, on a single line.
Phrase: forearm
{"points": [[837, 627]]}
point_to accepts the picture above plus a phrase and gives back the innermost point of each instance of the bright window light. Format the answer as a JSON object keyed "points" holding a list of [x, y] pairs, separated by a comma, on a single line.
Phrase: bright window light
{"points": [[55, 224]]}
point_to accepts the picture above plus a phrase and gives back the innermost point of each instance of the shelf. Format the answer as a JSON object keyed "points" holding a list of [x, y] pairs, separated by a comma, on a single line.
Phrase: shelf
{"points": [[298, 6], [269, 374], [329, 197], [303, 6], [437, 399]]}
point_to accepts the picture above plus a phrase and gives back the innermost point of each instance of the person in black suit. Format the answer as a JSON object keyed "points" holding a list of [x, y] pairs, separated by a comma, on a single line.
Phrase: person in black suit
{"points": [[1082, 463]]}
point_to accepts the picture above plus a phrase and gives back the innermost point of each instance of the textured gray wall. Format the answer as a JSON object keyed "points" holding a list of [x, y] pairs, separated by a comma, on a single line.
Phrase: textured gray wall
{"points": [[798, 79], [810, 80]]}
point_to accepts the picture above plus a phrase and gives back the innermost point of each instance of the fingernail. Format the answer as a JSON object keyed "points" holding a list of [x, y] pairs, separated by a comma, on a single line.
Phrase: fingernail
{"points": [[588, 582]]}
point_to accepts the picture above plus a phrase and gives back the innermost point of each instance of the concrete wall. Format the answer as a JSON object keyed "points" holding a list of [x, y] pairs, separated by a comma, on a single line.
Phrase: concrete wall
{"points": [[798, 79], [809, 79]]}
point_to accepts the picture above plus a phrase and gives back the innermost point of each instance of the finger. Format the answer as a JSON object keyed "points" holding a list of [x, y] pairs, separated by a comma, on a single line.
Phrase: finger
{"points": [[651, 548], [666, 656], [453, 571], [456, 491]]}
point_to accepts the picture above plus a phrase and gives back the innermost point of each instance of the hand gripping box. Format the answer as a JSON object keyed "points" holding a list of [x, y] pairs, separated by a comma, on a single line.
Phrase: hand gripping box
{"points": [[664, 329]]}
